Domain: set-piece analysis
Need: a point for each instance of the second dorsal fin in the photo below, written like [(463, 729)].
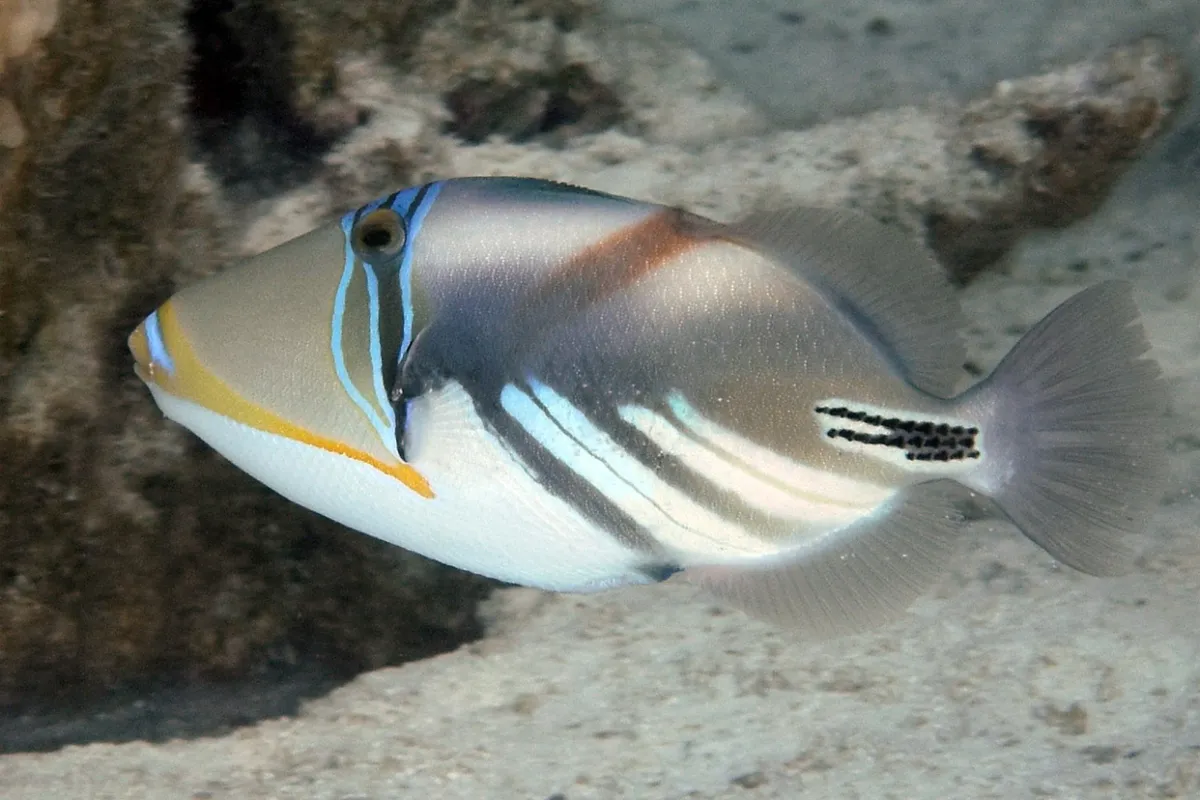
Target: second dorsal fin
[(892, 287)]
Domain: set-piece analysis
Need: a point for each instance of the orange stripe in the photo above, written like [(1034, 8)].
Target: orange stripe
[(617, 261)]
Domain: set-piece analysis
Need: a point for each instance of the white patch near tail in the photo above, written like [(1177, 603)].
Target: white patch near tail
[(762, 478), (919, 442)]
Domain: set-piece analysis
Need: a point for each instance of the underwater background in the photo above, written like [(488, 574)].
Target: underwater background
[(169, 628)]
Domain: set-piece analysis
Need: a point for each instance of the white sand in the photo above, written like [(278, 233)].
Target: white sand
[(808, 60)]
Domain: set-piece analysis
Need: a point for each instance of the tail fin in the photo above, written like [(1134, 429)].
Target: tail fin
[(1075, 445)]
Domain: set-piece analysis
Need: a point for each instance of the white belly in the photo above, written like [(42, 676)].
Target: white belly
[(488, 515)]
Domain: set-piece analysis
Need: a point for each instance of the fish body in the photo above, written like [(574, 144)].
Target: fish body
[(575, 391)]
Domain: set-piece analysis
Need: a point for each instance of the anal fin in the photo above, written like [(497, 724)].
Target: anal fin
[(853, 578)]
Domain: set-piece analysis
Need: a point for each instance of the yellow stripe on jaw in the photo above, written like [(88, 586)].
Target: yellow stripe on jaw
[(190, 380)]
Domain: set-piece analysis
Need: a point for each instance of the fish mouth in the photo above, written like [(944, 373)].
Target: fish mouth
[(152, 359), (141, 356), (143, 363)]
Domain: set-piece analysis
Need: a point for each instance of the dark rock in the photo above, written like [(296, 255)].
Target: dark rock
[(568, 101), (1049, 149), (130, 554)]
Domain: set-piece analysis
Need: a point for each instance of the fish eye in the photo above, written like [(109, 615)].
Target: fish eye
[(378, 235)]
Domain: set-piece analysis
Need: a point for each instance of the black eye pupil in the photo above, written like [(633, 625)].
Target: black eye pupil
[(377, 238)]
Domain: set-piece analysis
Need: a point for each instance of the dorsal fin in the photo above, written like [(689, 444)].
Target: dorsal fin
[(892, 286)]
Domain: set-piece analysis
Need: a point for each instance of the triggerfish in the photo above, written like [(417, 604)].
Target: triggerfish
[(575, 391)]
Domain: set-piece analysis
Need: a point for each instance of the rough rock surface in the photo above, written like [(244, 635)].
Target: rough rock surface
[(131, 554), (127, 552), (970, 179), (267, 94)]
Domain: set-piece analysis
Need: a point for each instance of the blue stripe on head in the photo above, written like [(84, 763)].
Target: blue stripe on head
[(413, 205), (374, 205), (385, 426), (376, 347), (158, 348)]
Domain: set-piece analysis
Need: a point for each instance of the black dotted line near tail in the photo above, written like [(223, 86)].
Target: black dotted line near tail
[(920, 441)]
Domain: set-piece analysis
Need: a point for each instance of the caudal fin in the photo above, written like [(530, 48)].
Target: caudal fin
[(1075, 443)]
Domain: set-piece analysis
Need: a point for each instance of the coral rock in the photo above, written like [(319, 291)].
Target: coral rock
[(128, 552)]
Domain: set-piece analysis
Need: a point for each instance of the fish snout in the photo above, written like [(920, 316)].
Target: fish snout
[(151, 360)]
